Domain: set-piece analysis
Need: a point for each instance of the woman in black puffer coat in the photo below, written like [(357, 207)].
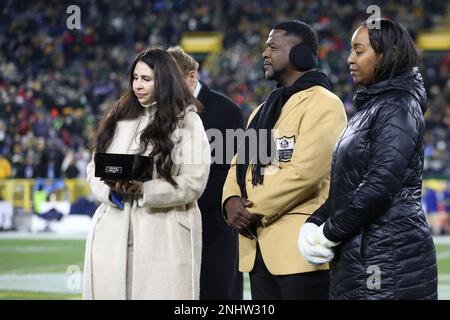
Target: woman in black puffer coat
[(373, 219)]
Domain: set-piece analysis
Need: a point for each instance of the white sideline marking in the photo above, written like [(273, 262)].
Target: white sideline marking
[(441, 239), (43, 236), (443, 255), (444, 277), (29, 249), (38, 282)]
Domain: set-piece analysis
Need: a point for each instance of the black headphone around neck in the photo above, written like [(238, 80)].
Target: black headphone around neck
[(303, 58)]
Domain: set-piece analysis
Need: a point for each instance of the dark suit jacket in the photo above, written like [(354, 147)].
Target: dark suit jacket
[(220, 278)]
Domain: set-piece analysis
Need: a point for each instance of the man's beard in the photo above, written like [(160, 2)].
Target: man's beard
[(275, 76)]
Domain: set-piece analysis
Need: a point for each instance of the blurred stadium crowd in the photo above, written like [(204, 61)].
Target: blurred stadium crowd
[(55, 82)]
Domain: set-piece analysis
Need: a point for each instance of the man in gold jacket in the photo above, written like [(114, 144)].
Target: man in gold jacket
[(268, 201)]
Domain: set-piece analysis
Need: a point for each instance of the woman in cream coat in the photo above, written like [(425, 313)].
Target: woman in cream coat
[(150, 249)]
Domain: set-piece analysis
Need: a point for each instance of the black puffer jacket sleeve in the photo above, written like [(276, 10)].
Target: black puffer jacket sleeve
[(320, 215), (394, 136)]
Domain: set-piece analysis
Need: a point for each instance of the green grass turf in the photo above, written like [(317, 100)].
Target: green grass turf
[(39, 256), (30, 295), (36, 255), (443, 253)]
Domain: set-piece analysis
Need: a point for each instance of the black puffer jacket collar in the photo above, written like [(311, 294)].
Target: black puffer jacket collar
[(411, 82)]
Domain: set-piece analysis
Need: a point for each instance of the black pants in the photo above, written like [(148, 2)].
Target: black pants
[(300, 286), (220, 278)]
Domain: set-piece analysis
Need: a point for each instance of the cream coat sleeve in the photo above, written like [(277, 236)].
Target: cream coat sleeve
[(194, 159), (99, 189)]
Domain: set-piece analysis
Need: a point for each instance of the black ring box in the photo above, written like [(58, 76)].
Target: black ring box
[(127, 167)]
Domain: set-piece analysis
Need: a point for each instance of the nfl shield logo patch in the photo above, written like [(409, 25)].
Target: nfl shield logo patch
[(285, 148)]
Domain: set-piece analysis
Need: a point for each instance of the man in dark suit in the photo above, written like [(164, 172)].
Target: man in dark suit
[(219, 277)]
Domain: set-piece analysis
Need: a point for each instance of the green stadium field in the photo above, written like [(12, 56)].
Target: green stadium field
[(50, 267)]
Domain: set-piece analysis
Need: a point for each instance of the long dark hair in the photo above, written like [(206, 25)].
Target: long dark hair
[(171, 95), (400, 53)]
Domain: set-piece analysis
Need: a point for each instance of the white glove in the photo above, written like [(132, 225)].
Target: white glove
[(323, 240), (309, 246), (307, 235)]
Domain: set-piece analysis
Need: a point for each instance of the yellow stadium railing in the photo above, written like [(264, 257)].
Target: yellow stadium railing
[(19, 192)]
